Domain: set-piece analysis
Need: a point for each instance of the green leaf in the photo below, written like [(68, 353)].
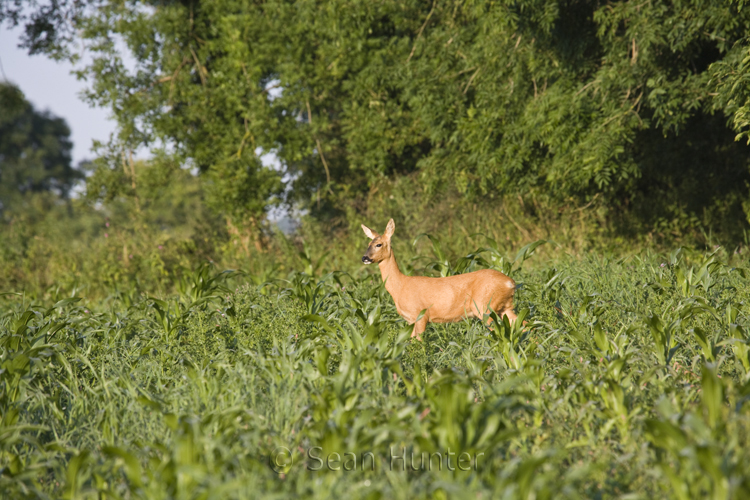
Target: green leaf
[(132, 465), (712, 396)]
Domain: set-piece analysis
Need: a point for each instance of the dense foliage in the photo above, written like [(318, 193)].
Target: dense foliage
[(159, 228), (34, 151), (628, 101), (631, 378)]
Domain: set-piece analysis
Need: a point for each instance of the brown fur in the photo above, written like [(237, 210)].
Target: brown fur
[(444, 300)]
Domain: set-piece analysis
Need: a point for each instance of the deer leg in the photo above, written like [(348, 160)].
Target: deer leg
[(505, 312), (510, 314), (419, 328), (512, 317), (503, 308)]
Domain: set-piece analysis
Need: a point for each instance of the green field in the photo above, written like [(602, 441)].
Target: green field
[(629, 381), (184, 313)]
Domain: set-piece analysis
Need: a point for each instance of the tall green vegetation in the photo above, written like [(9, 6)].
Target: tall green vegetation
[(636, 104), (630, 380)]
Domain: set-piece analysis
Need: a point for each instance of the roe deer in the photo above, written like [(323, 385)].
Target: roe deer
[(444, 300)]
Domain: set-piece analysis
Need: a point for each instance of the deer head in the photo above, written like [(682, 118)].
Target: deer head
[(380, 246)]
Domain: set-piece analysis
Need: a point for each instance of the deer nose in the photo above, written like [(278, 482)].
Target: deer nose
[(366, 259)]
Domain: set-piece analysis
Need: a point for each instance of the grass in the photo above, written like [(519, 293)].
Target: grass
[(629, 381)]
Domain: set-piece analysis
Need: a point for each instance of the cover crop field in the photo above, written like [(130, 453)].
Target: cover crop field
[(629, 380)]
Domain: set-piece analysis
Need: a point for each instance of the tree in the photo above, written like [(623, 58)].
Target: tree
[(566, 98), (34, 150)]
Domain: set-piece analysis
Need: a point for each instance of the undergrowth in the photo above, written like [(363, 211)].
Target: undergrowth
[(629, 380)]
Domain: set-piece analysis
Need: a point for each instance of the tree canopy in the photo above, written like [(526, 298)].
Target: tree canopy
[(562, 97), (34, 150)]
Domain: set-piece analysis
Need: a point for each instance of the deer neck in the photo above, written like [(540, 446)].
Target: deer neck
[(390, 272)]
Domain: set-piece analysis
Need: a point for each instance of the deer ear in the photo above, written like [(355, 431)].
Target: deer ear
[(369, 232), (389, 229)]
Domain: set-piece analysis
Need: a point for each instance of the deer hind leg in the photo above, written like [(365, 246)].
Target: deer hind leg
[(505, 308), (510, 314), (419, 328)]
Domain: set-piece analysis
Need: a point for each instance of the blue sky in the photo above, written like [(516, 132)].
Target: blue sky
[(50, 85)]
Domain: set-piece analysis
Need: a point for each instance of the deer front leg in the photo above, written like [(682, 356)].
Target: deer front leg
[(419, 328)]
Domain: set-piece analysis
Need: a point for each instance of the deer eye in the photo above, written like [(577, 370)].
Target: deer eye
[(379, 245)]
